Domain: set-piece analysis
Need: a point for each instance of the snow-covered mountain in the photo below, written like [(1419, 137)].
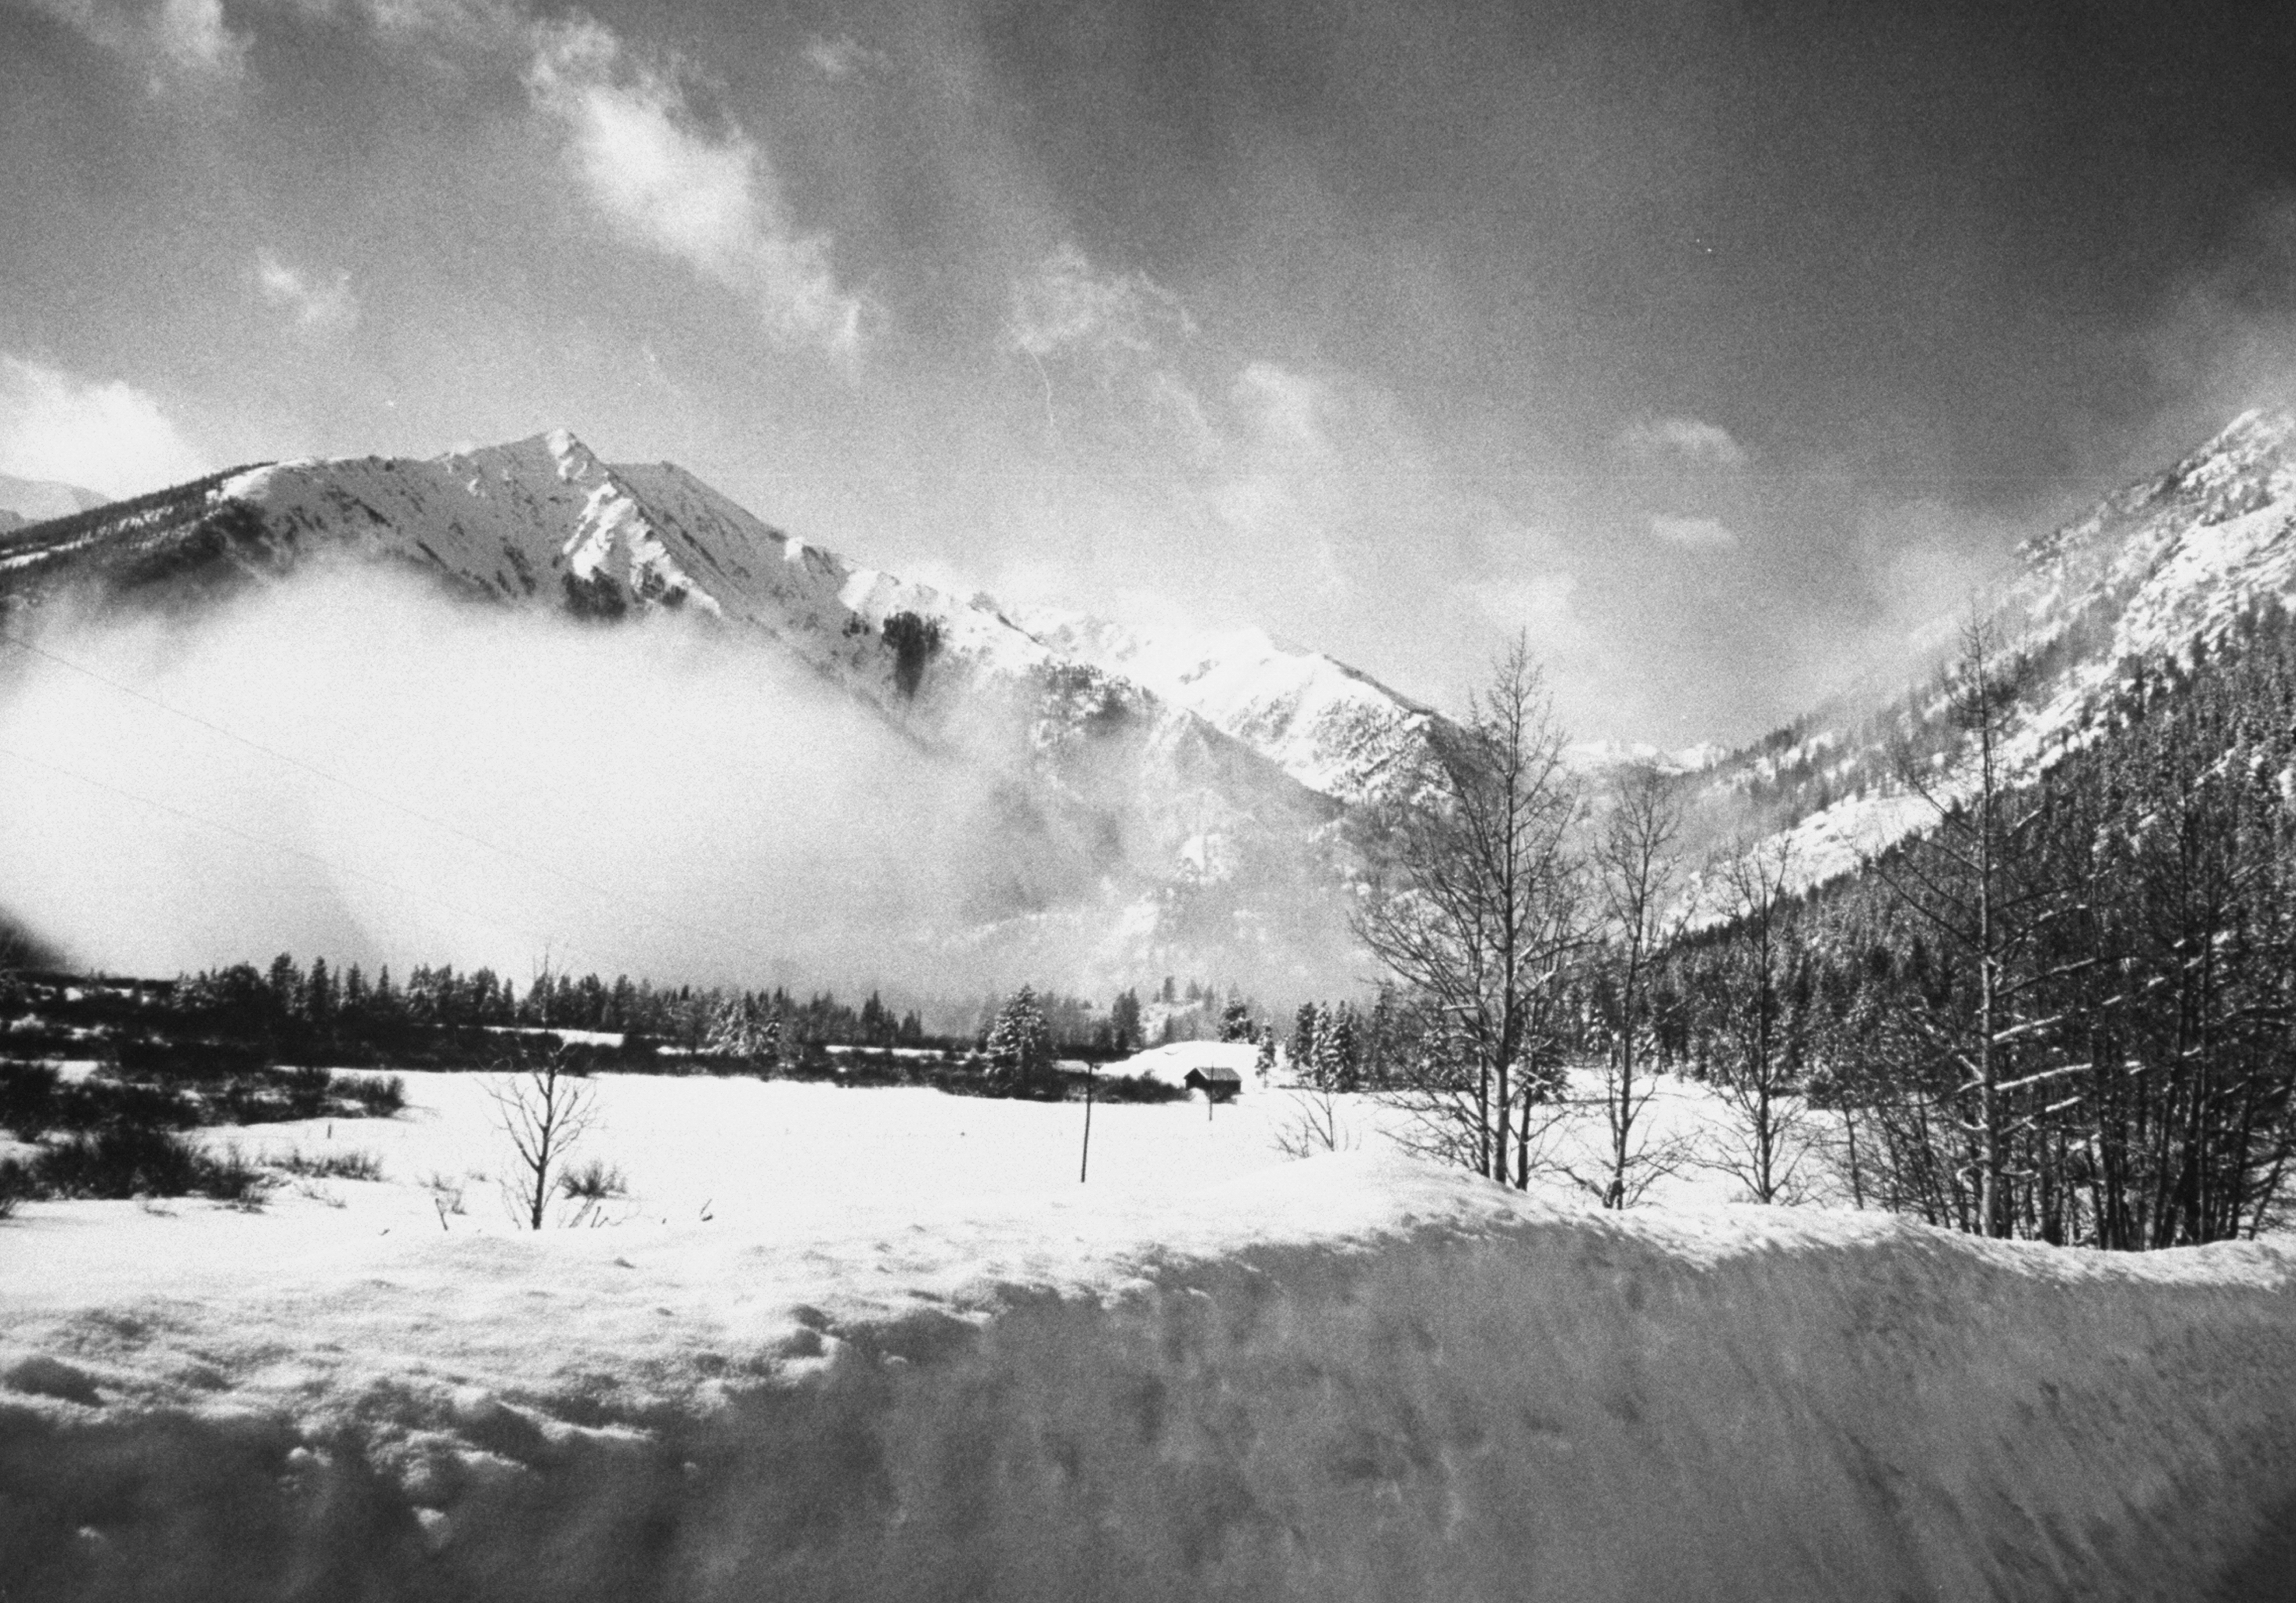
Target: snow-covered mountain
[(1335, 729), (25, 501), (1194, 832), (2164, 566), (540, 522), (1206, 761), (2171, 560), (544, 523)]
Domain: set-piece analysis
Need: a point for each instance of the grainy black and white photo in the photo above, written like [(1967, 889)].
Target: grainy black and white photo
[(1076, 800)]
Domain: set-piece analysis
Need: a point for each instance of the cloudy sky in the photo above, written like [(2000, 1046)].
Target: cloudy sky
[(1711, 344)]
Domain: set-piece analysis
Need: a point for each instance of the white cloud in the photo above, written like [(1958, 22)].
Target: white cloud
[(709, 198), (327, 307), (1288, 411), (1284, 487), (476, 20), (175, 41), (1690, 439), (1063, 307), (111, 438), (1174, 404), (840, 58), (1585, 663), (1540, 606), (1262, 509), (1694, 534), (192, 36)]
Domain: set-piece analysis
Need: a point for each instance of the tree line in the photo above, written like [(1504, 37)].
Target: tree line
[(440, 1018), (330, 1002), (2065, 1009), (327, 1003)]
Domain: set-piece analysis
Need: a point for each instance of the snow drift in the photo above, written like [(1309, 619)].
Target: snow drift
[(1347, 1378)]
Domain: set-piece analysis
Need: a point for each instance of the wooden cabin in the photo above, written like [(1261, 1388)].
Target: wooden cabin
[(1220, 1084)]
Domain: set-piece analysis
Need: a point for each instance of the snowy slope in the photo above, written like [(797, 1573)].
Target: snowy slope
[(1334, 728), (1344, 1378), (533, 520), (2171, 560), (543, 522), (36, 500)]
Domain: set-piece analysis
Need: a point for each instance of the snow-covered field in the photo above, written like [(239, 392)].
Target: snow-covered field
[(1169, 1064), (882, 1344)]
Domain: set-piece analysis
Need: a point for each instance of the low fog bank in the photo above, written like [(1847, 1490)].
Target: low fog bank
[(1347, 1378), (504, 788), (354, 764)]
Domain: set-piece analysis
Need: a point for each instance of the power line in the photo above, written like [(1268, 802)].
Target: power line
[(273, 846), (511, 853)]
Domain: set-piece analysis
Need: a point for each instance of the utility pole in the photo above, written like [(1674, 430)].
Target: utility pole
[(1086, 1165)]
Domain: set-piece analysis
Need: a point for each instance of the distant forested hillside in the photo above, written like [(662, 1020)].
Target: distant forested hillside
[(2068, 1011)]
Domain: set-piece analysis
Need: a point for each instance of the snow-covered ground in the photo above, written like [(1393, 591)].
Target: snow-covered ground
[(1169, 1064), (783, 1156), (882, 1343)]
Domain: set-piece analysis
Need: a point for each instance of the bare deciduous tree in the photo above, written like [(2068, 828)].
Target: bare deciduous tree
[(1635, 869), (1474, 909), (1771, 1136), (1972, 882), (545, 1109)]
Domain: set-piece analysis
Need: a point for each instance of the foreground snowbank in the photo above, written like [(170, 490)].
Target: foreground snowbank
[(1350, 1377)]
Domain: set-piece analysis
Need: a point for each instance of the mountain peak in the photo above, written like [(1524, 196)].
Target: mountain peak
[(2245, 453), (575, 460), (554, 454), (2260, 428)]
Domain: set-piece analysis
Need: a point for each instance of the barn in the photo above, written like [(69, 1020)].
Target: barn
[(1218, 1081), (1169, 1064)]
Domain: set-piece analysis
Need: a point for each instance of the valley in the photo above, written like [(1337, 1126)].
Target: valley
[(977, 800), (780, 1231)]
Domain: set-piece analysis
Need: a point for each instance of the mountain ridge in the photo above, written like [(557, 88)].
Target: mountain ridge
[(505, 522), (1137, 798), (2172, 559), (1224, 733), (1336, 729)]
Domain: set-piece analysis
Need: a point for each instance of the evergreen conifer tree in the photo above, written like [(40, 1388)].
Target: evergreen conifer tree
[(1235, 1022), (286, 983), (1304, 1024), (1336, 1051), (1019, 1047), (1124, 1021), (318, 1001)]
